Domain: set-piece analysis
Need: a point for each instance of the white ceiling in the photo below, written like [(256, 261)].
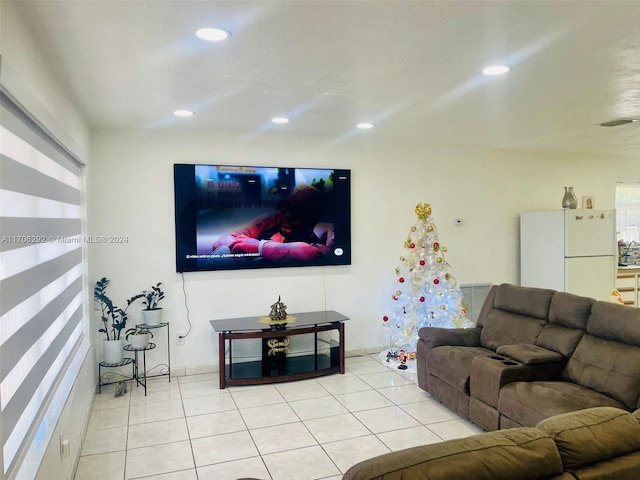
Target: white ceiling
[(411, 67)]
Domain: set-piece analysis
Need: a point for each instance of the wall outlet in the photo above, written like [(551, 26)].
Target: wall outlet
[(179, 340), (65, 445), (66, 448)]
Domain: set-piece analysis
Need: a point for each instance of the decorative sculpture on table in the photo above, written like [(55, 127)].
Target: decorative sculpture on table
[(278, 311)]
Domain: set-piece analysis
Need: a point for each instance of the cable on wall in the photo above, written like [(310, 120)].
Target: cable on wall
[(186, 306), (324, 289)]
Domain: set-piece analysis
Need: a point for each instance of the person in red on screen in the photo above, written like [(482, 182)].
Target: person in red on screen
[(286, 234)]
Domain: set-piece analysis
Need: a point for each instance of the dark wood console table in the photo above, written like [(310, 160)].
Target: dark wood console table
[(276, 364)]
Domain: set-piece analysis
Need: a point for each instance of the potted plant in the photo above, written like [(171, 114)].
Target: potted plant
[(113, 319), (152, 313), (139, 337)]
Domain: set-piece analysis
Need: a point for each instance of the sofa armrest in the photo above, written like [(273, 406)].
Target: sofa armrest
[(462, 337), (530, 354), (489, 374)]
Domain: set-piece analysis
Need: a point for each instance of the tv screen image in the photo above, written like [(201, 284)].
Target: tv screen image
[(236, 217)]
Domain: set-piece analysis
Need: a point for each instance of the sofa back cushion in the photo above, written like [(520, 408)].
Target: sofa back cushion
[(608, 367), (528, 301), (593, 435), (505, 328), (506, 454), (568, 315), (517, 316), (615, 322), (487, 306)]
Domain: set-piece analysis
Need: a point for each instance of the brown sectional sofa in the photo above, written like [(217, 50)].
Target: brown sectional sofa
[(533, 354), (598, 443)]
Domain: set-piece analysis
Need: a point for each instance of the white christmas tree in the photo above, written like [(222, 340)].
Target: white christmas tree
[(425, 292)]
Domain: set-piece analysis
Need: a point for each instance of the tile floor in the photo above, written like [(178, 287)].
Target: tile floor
[(189, 429)]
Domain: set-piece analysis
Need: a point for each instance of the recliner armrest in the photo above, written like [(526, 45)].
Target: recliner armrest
[(461, 337)]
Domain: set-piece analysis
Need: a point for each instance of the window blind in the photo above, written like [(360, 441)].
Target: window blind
[(43, 338)]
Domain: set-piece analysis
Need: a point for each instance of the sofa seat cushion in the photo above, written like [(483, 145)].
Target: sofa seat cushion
[(593, 435), (522, 454), (452, 365), (528, 403)]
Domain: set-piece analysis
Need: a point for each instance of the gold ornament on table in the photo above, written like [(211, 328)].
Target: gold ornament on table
[(278, 318), (278, 310), (430, 228)]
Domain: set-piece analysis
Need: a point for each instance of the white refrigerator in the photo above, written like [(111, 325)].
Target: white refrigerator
[(568, 250)]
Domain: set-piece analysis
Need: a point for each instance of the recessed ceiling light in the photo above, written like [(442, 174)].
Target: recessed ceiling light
[(212, 34), (280, 120), (496, 70), (365, 125), (183, 113)]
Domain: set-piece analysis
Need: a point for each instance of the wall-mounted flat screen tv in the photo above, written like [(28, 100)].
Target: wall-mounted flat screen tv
[(235, 217)]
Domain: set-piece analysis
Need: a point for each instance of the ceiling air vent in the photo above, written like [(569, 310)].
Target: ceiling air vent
[(617, 122)]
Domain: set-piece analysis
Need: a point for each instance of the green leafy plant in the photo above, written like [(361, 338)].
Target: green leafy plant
[(137, 331), (153, 297), (113, 318)]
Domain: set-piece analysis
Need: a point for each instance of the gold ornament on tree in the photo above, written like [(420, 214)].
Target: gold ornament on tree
[(423, 210)]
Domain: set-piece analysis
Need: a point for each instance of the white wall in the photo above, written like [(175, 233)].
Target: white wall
[(131, 193), (27, 78)]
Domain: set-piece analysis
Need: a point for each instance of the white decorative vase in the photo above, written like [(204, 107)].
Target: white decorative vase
[(139, 342), (113, 351), (152, 317)]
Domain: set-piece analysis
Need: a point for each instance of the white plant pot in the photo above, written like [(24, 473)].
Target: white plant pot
[(113, 352), (139, 342), (152, 317)]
